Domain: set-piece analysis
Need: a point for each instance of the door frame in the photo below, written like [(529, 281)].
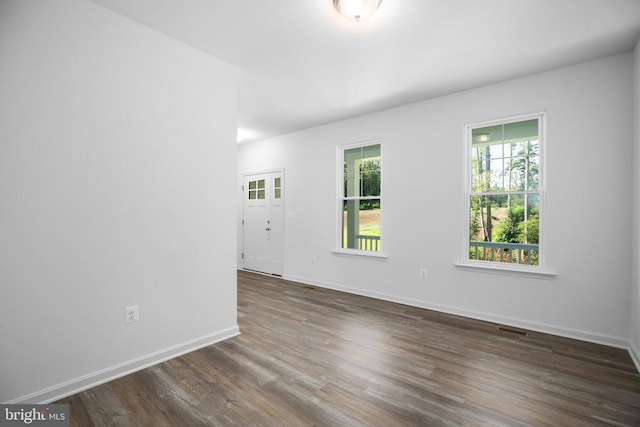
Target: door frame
[(283, 190)]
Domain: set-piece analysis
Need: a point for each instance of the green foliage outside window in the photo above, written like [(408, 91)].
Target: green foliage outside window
[(504, 204)]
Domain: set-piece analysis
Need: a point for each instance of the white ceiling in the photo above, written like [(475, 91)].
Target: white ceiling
[(302, 64)]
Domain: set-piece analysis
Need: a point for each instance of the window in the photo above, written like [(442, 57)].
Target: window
[(504, 192), (359, 196)]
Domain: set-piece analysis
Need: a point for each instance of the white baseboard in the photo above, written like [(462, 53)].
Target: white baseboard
[(76, 385), (635, 354), (593, 337)]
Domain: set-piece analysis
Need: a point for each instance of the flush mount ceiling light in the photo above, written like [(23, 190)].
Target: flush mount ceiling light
[(356, 10)]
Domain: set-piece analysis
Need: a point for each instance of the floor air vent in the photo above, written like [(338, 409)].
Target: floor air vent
[(513, 331)]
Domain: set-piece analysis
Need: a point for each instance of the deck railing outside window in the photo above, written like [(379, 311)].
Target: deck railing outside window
[(515, 253), (368, 243)]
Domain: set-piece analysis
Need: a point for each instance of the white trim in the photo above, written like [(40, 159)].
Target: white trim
[(578, 334), (359, 253), (503, 268), (276, 170), (635, 354), (512, 268), (93, 379)]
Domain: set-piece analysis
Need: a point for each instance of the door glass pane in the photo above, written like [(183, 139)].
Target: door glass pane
[(277, 188), (252, 185), (261, 183), (261, 194), (252, 194)]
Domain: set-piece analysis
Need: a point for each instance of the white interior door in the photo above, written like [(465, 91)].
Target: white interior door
[(263, 221)]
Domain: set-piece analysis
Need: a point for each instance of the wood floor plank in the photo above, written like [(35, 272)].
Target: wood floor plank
[(311, 356)]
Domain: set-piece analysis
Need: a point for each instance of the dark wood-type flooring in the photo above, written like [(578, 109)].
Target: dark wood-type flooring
[(319, 357)]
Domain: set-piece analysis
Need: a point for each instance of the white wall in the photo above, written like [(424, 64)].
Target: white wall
[(635, 296), (587, 211), (117, 150)]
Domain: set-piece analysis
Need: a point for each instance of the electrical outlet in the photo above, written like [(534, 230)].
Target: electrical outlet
[(131, 314), (423, 273)]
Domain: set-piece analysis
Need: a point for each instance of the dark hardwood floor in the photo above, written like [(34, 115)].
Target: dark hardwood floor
[(319, 357)]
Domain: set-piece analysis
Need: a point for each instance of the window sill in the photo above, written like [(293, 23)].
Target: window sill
[(522, 271), (359, 254)]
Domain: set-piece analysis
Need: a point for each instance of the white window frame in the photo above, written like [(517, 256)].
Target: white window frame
[(339, 250), (494, 265)]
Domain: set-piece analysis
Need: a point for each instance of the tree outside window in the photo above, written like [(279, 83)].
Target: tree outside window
[(504, 197)]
